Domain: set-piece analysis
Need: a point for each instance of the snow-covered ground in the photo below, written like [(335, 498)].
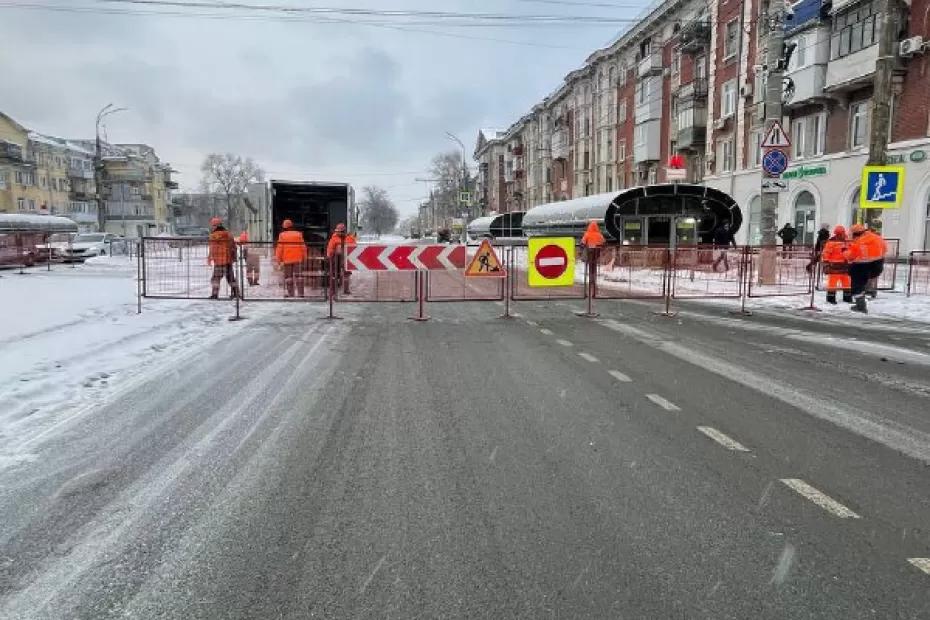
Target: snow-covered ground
[(70, 337)]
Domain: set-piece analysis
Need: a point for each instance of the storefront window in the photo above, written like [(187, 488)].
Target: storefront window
[(871, 217), (755, 221), (805, 217)]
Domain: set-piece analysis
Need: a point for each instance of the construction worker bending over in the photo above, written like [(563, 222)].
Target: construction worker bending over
[(866, 257), (222, 255), (835, 266), (291, 253)]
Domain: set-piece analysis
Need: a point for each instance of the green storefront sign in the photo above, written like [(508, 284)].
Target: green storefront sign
[(802, 172), (914, 156)]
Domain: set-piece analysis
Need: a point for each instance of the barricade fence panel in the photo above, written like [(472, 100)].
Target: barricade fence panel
[(707, 272), (632, 272), (32, 248), (179, 268), (918, 273), (283, 271), (888, 279), (776, 271), (453, 285), (520, 289)]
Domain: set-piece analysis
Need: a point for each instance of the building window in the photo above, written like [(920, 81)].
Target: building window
[(642, 92), (21, 204), (797, 144), (43, 182), (652, 176), (725, 153), (685, 118), (731, 41), (700, 67), (728, 99), (25, 177), (859, 124), (640, 137), (621, 112), (818, 139), (801, 53), (755, 149), (853, 30), (676, 61), (621, 150), (805, 217)]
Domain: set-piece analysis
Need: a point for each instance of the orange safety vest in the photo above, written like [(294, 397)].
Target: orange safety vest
[(222, 248), (866, 248), (291, 247), (593, 238), (335, 244)]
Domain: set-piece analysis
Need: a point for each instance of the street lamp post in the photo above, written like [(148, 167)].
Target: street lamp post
[(106, 111), (462, 187)]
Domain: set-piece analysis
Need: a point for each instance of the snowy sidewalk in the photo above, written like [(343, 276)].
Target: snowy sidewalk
[(71, 338)]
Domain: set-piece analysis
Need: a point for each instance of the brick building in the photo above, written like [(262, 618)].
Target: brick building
[(687, 79)]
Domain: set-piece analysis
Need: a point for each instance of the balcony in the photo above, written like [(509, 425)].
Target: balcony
[(650, 65), (694, 37), (80, 194), (648, 111), (694, 90), (809, 83), (647, 142), (851, 72), (80, 173), (11, 152), (691, 137)]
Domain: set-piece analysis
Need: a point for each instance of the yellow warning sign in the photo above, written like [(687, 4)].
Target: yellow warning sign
[(485, 264), (551, 261)]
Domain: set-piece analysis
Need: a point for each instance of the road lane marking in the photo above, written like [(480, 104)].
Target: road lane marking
[(906, 439), (372, 575), (724, 440), (921, 563), (619, 376), (824, 501), (532, 323), (662, 402), (546, 332), (589, 357), (564, 343)]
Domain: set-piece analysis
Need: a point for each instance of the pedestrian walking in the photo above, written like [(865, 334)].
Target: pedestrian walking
[(291, 254), (723, 240), (222, 255), (252, 260), (866, 257), (835, 266), (823, 235), (788, 234)]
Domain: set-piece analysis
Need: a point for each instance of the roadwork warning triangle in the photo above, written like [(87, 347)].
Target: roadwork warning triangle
[(485, 264), (776, 138)]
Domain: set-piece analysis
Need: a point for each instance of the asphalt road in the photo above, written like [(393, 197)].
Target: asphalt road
[(548, 466)]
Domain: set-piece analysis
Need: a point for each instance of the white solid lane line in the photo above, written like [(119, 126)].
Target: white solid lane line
[(619, 376), (532, 323), (564, 343), (589, 357), (921, 563), (662, 402), (724, 440), (546, 332), (824, 501)]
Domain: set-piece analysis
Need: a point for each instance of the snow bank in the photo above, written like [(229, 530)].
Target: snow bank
[(70, 337)]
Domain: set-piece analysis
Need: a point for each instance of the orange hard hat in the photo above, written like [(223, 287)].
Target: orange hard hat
[(857, 229), (839, 231), (287, 224), (215, 222), (340, 227)]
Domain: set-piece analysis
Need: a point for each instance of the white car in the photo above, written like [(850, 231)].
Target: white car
[(56, 244), (87, 245)]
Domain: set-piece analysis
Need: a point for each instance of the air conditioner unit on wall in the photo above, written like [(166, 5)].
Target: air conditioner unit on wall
[(909, 47)]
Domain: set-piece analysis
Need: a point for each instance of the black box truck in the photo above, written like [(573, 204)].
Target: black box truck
[(315, 207)]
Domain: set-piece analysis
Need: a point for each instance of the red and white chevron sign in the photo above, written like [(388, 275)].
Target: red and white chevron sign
[(405, 257)]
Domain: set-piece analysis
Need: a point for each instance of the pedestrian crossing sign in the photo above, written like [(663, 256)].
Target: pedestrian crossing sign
[(485, 264), (882, 187)]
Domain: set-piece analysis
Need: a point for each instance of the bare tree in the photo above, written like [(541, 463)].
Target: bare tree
[(229, 175), (448, 173), (379, 215)]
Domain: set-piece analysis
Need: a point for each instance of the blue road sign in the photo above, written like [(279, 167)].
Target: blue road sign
[(774, 162), (882, 187)]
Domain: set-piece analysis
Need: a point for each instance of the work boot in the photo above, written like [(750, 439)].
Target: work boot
[(860, 306), (215, 294), (831, 298), (847, 298)]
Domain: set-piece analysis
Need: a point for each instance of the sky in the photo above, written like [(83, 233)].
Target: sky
[(307, 99)]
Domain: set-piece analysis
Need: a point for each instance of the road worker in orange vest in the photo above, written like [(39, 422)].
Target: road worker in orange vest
[(334, 250), (593, 238), (835, 266), (222, 255), (866, 257), (291, 253)]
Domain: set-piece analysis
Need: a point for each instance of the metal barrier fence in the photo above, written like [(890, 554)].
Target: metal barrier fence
[(918, 273), (776, 271), (632, 272), (453, 285), (283, 271)]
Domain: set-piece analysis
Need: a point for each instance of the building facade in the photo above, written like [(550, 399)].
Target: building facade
[(689, 79)]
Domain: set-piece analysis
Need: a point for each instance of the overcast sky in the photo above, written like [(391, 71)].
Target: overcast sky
[(307, 100)]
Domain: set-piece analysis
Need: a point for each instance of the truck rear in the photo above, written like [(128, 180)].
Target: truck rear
[(315, 207)]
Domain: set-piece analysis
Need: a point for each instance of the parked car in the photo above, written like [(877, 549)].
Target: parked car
[(87, 245), (55, 247)]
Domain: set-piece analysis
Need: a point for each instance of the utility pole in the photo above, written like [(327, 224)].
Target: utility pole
[(774, 21), (107, 110), (462, 187), (888, 16)]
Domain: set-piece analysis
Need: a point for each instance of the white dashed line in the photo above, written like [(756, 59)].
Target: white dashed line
[(724, 440), (921, 563), (589, 357), (665, 404), (564, 343), (532, 323), (824, 501), (546, 332), (619, 376)]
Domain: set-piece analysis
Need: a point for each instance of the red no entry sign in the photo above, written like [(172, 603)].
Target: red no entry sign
[(551, 261)]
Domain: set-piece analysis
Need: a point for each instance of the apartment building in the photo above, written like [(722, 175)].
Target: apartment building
[(688, 79)]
